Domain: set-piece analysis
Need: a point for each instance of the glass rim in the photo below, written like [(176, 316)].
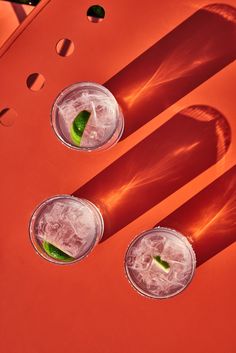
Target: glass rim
[(157, 229), (97, 148), (40, 207)]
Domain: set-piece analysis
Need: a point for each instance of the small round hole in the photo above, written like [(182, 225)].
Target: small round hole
[(8, 117), (96, 13), (65, 47), (35, 82)]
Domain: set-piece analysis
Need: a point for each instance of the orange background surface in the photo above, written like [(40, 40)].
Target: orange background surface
[(90, 307)]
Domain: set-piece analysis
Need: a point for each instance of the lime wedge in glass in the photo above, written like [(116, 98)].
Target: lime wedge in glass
[(56, 253), (161, 263), (78, 126)]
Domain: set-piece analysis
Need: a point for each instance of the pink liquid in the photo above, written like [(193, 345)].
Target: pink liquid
[(72, 225), (160, 263), (105, 124)]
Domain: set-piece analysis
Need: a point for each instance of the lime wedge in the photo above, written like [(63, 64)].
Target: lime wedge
[(78, 126), (162, 264), (56, 253)]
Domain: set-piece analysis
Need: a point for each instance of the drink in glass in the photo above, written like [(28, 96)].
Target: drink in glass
[(64, 229), (87, 117), (160, 263)]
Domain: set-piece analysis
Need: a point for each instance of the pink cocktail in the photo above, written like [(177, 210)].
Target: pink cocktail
[(160, 263), (86, 116), (64, 229)]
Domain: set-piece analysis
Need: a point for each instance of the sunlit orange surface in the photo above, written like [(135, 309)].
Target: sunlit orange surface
[(171, 65)]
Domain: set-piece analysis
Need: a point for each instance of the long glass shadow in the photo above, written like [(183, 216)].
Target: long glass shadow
[(186, 57), (185, 146), (209, 218)]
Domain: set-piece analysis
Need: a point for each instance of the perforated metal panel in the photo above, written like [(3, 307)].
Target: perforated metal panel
[(90, 307)]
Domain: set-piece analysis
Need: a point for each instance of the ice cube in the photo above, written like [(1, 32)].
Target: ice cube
[(142, 262), (68, 226), (130, 260), (153, 285)]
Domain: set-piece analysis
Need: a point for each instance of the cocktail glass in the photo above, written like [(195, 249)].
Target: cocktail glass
[(87, 117), (64, 229), (160, 263)]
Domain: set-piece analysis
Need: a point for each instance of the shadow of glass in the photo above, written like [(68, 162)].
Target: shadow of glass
[(182, 60), (185, 146), (209, 218)]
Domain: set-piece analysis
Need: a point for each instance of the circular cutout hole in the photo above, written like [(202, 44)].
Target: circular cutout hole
[(8, 117), (96, 13), (65, 47), (35, 82)]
